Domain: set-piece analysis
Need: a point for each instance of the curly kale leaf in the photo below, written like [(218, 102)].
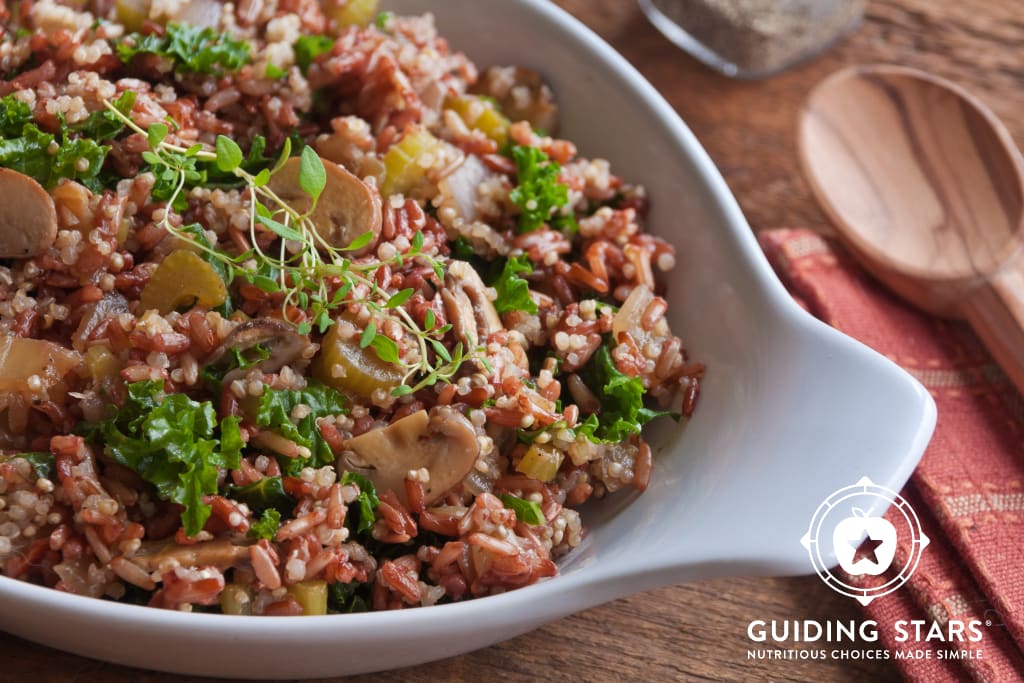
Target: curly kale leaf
[(274, 413), (622, 401), (191, 48), (174, 443), (539, 192)]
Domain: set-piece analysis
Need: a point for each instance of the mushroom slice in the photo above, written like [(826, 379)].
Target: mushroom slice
[(112, 304), (28, 217), (470, 311), (443, 442), (346, 209), (279, 338), (522, 94), (221, 553)]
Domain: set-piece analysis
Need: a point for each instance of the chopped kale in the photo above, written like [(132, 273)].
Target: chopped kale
[(193, 49), (266, 526), (366, 503), (514, 291), (262, 495), (275, 410), (539, 191), (308, 48), (622, 401), (174, 443)]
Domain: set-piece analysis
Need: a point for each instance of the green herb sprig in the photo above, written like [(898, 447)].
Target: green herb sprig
[(305, 265)]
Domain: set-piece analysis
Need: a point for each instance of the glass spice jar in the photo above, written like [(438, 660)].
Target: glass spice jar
[(753, 38)]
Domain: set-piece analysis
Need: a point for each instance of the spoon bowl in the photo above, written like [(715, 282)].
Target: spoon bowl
[(924, 184)]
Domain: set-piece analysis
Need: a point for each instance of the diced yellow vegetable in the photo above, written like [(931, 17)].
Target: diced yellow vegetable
[(182, 279), (405, 162), (481, 114), (235, 599), (312, 595), (541, 462), (355, 13), (352, 370), (31, 366), (132, 13), (102, 363)]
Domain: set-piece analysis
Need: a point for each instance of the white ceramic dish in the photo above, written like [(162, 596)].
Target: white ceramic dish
[(790, 411)]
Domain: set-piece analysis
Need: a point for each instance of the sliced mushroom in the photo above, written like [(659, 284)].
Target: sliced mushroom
[(282, 341), (28, 218), (522, 94), (221, 553), (443, 442), (469, 309), (346, 209), (111, 305)]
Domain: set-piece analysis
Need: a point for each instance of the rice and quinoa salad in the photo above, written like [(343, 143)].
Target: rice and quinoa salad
[(302, 313)]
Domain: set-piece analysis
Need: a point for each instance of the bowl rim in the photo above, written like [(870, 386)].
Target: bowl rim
[(774, 293)]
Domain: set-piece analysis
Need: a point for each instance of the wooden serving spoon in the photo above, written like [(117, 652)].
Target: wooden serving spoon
[(925, 186)]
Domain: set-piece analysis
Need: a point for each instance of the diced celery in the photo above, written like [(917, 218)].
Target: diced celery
[(312, 595), (235, 599), (541, 462)]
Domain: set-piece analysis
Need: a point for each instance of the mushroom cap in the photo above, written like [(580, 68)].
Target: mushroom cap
[(346, 209), (444, 442), (28, 217), (285, 345)]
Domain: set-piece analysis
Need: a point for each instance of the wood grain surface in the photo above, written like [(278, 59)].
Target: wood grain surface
[(924, 185), (698, 632)]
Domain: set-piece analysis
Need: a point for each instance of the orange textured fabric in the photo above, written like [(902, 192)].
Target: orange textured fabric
[(969, 487)]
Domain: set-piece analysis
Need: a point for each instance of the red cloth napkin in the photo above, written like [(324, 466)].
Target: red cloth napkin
[(968, 489)]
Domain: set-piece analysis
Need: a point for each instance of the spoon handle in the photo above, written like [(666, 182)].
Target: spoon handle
[(996, 312)]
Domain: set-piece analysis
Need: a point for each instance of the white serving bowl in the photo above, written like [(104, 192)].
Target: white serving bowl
[(790, 411)]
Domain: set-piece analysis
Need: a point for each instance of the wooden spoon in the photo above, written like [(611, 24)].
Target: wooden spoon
[(924, 185)]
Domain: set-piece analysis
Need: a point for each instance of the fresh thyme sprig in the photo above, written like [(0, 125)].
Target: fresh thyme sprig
[(306, 263)]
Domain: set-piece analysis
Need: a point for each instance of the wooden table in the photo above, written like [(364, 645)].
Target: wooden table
[(699, 631)]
